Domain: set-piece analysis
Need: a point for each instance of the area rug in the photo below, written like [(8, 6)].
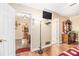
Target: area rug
[(71, 52), (22, 50)]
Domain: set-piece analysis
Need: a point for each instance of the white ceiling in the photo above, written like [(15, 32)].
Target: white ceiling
[(62, 8)]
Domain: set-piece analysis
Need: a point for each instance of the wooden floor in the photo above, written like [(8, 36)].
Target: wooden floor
[(53, 50)]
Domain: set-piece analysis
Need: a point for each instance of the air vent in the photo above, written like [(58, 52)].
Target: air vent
[(48, 42)]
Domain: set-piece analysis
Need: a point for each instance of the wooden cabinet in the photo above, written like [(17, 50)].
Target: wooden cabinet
[(67, 28), (65, 38), (69, 38)]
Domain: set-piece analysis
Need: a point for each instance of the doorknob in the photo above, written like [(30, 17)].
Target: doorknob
[(1, 40)]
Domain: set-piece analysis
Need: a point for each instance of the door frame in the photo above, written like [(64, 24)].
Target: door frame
[(29, 15)]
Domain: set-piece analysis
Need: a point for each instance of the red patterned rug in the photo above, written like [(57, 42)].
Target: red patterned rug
[(71, 52), (22, 50)]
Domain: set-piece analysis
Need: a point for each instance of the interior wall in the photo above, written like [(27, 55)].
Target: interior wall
[(75, 23), (36, 13), (19, 28), (35, 26)]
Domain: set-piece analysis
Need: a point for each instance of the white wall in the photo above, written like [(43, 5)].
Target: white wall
[(75, 24), (46, 33), (7, 31)]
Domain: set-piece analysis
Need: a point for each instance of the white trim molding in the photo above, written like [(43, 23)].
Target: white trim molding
[(42, 47)]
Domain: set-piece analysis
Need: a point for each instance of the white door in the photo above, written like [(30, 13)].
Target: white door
[(45, 32), (7, 30), (55, 31)]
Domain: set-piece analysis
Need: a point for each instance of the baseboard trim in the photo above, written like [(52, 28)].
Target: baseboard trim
[(42, 47), (57, 43)]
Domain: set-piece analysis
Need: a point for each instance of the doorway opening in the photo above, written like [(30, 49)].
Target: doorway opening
[(23, 40)]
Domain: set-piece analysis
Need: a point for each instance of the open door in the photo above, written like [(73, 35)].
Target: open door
[(7, 30), (22, 34)]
